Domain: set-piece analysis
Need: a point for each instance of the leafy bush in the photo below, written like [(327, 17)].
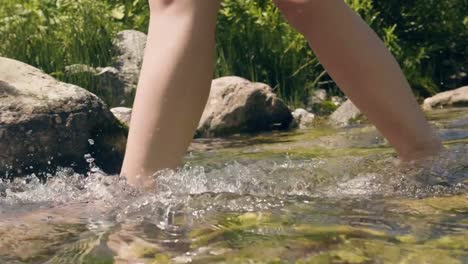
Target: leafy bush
[(428, 37), (431, 40), (130, 14), (254, 41), (52, 34)]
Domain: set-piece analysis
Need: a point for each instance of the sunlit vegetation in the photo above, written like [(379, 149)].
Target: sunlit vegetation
[(428, 37)]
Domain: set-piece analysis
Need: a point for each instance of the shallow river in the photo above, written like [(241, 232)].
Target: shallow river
[(317, 196)]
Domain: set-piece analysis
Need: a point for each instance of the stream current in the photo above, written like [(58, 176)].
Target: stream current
[(315, 196)]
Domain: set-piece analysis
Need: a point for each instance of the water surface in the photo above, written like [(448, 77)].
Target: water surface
[(317, 196)]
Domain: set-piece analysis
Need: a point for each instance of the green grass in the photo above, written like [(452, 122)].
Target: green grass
[(429, 38)]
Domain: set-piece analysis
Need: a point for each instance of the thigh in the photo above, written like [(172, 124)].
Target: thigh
[(302, 13), (184, 5)]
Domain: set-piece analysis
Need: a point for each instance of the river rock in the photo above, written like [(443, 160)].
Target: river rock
[(236, 105), (130, 45), (318, 96), (302, 118), (45, 123), (115, 84), (345, 114), (453, 98), (337, 100), (123, 114), (113, 88), (106, 82), (77, 69)]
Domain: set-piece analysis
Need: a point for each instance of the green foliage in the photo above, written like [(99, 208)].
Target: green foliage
[(130, 14), (255, 42), (432, 40), (324, 109), (428, 37), (52, 34)]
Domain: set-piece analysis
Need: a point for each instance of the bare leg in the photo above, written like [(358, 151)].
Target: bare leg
[(173, 87), (366, 71)]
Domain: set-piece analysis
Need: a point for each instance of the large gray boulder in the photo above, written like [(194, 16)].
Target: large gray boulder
[(117, 83), (236, 105), (130, 45), (106, 82), (453, 98), (344, 115), (45, 123)]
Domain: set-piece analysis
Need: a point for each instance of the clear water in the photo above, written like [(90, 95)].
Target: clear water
[(318, 196)]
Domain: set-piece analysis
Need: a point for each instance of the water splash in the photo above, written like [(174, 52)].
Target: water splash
[(101, 215), (243, 187)]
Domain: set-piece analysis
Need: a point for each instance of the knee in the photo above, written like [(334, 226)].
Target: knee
[(299, 13), (288, 7), (160, 4)]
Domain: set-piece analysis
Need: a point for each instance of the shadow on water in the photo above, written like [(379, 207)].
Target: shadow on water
[(311, 197)]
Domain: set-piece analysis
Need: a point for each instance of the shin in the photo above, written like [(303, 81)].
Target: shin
[(173, 86), (366, 71)]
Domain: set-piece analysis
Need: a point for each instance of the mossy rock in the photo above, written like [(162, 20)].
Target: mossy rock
[(161, 259), (430, 256), (332, 232), (452, 242), (337, 256), (437, 205)]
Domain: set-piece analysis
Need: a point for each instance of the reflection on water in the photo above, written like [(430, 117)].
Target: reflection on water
[(315, 197)]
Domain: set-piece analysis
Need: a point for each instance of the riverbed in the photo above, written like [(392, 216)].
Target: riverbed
[(320, 195)]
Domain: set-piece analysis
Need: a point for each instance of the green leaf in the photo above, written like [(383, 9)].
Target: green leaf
[(118, 12)]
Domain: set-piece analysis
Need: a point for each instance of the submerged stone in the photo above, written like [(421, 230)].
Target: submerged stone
[(455, 242), (430, 256), (436, 205)]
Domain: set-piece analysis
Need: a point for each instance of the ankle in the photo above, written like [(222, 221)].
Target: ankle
[(420, 150)]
